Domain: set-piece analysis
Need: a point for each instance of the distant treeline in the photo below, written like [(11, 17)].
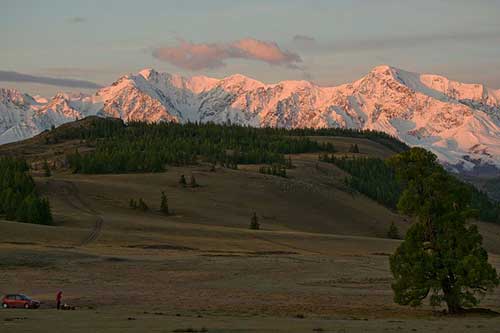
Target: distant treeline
[(376, 179), (145, 147), (492, 186), (19, 199), (108, 127), (370, 176), (380, 137)]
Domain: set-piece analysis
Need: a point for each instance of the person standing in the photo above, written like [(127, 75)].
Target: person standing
[(58, 299)]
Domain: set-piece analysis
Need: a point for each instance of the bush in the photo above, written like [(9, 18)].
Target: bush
[(274, 170), (141, 205), (138, 204), (132, 204), (192, 182)]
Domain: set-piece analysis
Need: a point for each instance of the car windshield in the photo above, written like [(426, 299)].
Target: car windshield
[(24, 297)]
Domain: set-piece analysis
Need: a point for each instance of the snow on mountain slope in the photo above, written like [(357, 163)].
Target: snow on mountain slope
[(16, 115), (459, 122)]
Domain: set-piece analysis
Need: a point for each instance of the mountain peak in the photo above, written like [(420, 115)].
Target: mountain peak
[(448, 117), (384, 70), (14, 96), (238, 78), (389, 76), (148, 73), (296, 83), (242, 81), (60, 96), (9, 92)]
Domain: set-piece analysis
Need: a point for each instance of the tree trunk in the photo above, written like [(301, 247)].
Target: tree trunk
[(453, 307), (451, 298)]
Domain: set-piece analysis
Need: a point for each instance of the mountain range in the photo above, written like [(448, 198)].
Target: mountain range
[(459, 122)]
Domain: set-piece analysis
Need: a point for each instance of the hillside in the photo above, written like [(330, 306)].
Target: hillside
[(104, 145), (459, 122), (321, 253)]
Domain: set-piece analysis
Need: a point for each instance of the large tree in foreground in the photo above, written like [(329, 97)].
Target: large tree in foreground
[(442, 256)]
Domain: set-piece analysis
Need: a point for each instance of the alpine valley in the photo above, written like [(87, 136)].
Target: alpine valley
[(459, 122)]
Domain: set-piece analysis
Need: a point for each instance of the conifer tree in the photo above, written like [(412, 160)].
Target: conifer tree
[(393, 231), (164, 204), (354, 149), (19, 200), (442, 255), (254, 222), (182, 180)]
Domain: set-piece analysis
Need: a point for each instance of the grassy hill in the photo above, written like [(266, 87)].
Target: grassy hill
[(314, 197), (319, 260)]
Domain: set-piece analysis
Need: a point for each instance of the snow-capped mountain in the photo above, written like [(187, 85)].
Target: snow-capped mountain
[(457, 121)]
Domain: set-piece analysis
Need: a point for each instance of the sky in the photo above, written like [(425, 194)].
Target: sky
[(68, 45)]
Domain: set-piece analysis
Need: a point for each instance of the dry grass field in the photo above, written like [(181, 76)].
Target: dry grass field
[(319, 264)]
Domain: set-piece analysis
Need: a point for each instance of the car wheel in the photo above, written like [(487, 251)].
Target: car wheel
[(5, 306), (26, 306)]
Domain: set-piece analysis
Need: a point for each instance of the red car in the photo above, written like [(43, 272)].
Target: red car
[(19, 301)]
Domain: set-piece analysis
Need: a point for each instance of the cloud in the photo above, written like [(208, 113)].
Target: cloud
[(193, 56), (76, 19), (76, 71), (11, 76), (410, 41), (300, 38), (303, 40)]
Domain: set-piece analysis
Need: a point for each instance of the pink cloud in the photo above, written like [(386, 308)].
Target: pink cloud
[(193, 56)]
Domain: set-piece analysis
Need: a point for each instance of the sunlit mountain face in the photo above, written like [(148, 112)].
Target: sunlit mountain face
[(459, 122)]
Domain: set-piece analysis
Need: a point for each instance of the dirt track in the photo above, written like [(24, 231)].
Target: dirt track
[(71, 195)]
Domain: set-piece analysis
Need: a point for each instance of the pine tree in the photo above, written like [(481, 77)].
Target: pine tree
[(182, 180), (19, 200), (354, 149), (393, 231), (441, 256), (254, 222), (46, 213), (164, 204)]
